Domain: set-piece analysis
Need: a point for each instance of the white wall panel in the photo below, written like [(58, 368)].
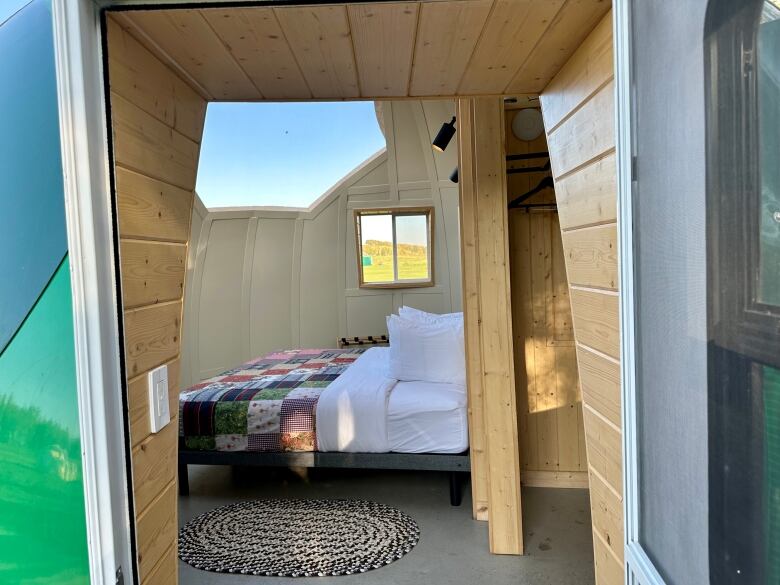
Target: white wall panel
[(319, 289), (219, 321), (270, 307)]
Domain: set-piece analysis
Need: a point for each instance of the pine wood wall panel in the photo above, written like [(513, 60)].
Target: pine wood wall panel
[(446, 36), (584, 73), (139, 77), (152, 272), (147, 146), (152, 336), (157, 121), (575, 20), (383, 37), (258, 44), (596, 322), (591, 256), (156, 531), (487, 219), (600, 380), (508, 37), (149, 209), (320, 38), (438, 48), (578, 108), (587, 134), (588, 197), (188, 40)]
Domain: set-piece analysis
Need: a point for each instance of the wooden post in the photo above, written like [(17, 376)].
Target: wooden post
[(470, 276), (487, 307)]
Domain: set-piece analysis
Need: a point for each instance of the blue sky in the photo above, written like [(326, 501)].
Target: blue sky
[(285, 154), (8, 7)]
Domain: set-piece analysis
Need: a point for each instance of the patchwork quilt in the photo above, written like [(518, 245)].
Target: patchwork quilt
[(266, 404)]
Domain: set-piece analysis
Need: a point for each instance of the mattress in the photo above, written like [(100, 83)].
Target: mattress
[(427, 418)]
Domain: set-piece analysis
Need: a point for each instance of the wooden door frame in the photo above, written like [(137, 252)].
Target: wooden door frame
[(101, 389)]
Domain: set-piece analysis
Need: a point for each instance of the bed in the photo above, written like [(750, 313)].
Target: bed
[(324, 408)]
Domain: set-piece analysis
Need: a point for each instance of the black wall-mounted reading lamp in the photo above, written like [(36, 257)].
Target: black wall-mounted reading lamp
[(444, 136), (454, 175)]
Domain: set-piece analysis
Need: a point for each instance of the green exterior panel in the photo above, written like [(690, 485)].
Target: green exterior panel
[(43, 536)]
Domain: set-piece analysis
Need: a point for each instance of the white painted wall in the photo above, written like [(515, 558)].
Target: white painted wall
[(260, 279)]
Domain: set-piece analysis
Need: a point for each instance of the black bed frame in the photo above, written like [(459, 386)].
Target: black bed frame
[(458, 465)]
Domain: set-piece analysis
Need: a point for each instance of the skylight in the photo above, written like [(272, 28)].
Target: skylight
[(282, 154)]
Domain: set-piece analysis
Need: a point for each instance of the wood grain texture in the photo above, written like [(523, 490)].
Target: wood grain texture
[(509, 35), (586, 135), (166, 571), (446, 36), (152, 336), (600, 379), (588, 197), (545, 362), (157, 122), (256, 41), (383, 39), (609, 570), (185, 38), (586, 71), (152, 209), (606, 514), (154, 463), (453, 47), (138, 76), (596, 320), (471, 312), (555, 479), (152, 272), (605, 448), (320, 39), (591, 256), (156, 530), (138, 401), (144, 144), (573, 23), (578, 109), (505, 516)]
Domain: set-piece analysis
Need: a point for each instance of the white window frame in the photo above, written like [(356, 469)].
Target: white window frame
[(640, 570)]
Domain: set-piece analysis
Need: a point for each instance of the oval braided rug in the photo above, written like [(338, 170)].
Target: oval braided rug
[(297, 538)]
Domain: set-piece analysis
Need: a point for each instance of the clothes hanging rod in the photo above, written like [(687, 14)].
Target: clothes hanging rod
[(540, 206), (527, 156)]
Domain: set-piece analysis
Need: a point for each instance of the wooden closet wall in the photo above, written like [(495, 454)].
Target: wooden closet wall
[(157, 122), (579, 110), (549, 403)]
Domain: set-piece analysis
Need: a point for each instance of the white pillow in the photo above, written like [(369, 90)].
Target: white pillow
[(429, 352), (417, 315)]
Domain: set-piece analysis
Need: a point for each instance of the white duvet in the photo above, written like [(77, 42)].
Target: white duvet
[(352, 410)]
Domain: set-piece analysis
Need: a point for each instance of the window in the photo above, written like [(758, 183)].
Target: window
[(394, 247)]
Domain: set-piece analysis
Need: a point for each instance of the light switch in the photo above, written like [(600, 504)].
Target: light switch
[(159, 411)]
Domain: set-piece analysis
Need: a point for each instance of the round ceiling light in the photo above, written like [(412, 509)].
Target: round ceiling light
[(528, 124)]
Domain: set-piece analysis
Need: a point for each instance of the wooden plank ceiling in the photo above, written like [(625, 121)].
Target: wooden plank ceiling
[(424, 48)]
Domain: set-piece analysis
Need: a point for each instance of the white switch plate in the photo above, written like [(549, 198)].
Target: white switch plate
[(159, 411)]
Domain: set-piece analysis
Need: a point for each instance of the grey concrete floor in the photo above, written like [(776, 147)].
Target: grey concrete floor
[(453, 548)]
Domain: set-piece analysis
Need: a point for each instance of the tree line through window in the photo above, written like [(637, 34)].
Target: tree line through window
[(394, 247)]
